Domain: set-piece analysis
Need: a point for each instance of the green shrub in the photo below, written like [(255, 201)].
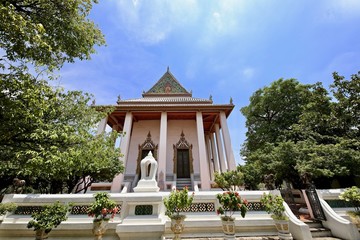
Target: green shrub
[(103, 208), (274, 205), (50, 217), (7, 207), (177, 202), (352, 195), (230, 202)]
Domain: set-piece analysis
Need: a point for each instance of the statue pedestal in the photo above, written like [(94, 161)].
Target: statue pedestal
[(146, 186), (147, 182)]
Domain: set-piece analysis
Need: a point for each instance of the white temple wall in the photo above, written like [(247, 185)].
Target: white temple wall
[(175, 127), (139, 133)]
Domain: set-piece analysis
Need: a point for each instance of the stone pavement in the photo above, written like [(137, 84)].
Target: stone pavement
[(257, 238), (237, 238)]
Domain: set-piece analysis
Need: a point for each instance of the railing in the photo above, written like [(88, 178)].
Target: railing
[(149, 207)]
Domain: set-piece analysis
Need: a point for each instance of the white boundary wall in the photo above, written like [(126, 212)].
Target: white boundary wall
[(128, 225)]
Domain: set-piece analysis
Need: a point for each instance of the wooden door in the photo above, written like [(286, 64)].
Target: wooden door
[(183, 163)]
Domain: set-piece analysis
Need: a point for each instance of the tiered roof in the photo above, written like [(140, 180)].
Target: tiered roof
[(166, 91), (168, 95)]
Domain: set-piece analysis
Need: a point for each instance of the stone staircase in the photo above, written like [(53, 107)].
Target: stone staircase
[(318, 231), (183, 182)]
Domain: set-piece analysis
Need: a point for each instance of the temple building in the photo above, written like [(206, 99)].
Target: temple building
[(188, 137)]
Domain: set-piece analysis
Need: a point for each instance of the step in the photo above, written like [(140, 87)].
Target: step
[(320, 232), (327, 238), (317, 230), (183, 182), (313, 224)]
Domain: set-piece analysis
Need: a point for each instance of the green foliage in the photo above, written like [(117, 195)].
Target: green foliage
[(177, 202), (103, 208), (48, 138), (7, 207), (47, 135), (229, 180), (272, 110), (306, 133), (50, 217), (231, 202), (252, 175), (48, 32), (274, 205), (352, 195)]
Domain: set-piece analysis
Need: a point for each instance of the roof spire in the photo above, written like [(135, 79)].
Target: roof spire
[(168, 69)]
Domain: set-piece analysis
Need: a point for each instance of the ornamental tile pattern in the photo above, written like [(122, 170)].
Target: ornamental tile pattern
[(167, 85)]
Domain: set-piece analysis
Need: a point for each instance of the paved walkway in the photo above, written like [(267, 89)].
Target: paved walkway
[(238, 238)]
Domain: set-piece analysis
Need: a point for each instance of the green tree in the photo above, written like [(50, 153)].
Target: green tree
[(318, 139), (228, 181), (48, 136), (252, 175), (273, 110), (347, 107), (47, 32)]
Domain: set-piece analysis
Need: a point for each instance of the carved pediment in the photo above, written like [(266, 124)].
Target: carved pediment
[(148, 144), (182, 143)]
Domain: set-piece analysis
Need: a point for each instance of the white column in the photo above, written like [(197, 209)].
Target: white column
[(220, 148), (204, 166), (162, 151), (209, 157), (227, 142), (102, 126), (124, 147), (214, 153)]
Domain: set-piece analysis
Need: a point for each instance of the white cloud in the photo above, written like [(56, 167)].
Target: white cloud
[(223, 18), (248, 72), (151, 22)]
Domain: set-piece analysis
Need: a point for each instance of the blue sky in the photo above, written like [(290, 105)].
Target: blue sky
[(227, 48)]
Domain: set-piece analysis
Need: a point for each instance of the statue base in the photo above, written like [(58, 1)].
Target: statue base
[(146, 186)]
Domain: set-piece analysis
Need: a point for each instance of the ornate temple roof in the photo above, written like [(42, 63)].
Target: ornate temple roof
[(167, 90), (167, 85), (168, 95)]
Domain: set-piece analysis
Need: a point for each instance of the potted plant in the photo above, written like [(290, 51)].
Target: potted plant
[(50, 217), (102, 210), (230, 202), (274, 205), (353, 195), (5, 208), (174, 204)]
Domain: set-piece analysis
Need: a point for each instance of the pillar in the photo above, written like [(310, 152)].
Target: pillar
[(204, 166), (124, 147), (220, 148), (102, 126), (227, 142), (209, 157), (214, 153), (162, 151)]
